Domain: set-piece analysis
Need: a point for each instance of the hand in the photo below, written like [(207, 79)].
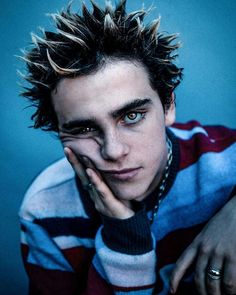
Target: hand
[(104, 200), (215, 248)]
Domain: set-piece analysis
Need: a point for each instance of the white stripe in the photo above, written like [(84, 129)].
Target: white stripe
[(66, 242), (53, 175), (123, 269), (187, 134), (58, 201)]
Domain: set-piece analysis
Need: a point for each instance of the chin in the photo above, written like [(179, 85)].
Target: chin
[(134, 192)]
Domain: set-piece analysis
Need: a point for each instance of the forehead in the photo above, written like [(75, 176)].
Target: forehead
[(99, 93)]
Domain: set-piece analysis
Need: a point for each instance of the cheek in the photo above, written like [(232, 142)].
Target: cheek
[(154, 150), (153, 140)]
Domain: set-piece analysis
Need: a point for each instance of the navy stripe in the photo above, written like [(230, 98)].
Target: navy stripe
[(22, 227), (67, 226)]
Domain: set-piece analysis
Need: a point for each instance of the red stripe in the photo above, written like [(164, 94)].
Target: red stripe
[(220, 132), (55, 282), (191, 150), (50, 282), (97, 285), (136, 288), (78, 256)]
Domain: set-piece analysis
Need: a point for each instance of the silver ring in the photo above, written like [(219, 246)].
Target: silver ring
[(214, 274), (89, 186)]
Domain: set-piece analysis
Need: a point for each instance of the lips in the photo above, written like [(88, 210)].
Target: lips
[(124, 174)]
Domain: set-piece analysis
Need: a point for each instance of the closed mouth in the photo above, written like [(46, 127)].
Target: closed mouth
[(124, 174)]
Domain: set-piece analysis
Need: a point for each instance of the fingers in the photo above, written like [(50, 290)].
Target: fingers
[(200, 255), (182, 264), (85, 179), (200, 272), (212, 283), (77, 166), (101, 191), (103, 198), (105, 201), (228, 280)]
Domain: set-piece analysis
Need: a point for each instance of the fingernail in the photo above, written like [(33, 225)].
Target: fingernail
[(172, 291), (88, 171), (66, 152)]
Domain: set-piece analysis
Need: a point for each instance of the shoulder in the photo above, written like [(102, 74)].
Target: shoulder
[(198, 143), (52, 193), (54, 175), (207, 159), (193, 129)]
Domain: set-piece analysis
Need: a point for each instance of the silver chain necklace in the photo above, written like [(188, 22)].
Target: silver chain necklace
[(162, 184)]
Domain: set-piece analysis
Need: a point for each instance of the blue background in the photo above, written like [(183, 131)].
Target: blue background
[(207, 31)]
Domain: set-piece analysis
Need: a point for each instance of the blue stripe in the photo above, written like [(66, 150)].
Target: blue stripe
[(43, 251), (193, 200)]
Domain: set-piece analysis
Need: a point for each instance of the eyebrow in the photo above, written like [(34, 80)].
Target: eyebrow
[(137, 103)]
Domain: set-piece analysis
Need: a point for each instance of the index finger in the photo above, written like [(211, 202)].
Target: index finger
[(182, 264), (77, 166)]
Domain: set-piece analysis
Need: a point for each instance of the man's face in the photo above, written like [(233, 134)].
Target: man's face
[(116, 119)]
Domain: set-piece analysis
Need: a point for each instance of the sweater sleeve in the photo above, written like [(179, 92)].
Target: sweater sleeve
[(125, 254), (55, 271), (116, 268)]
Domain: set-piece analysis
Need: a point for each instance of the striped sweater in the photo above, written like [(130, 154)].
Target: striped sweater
[(68, 248)]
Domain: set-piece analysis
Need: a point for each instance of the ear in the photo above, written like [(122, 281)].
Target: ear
[(170, 112)]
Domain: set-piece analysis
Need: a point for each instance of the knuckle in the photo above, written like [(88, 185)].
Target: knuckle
[(101, 194), (211, 287), (198, 281), (205, 249), (218, 252), (98, 206), (229, 287), (178, 265)]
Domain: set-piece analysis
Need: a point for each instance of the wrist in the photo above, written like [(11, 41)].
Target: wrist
[(131, 236)]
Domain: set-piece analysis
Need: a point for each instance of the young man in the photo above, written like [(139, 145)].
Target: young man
[(138, 190)]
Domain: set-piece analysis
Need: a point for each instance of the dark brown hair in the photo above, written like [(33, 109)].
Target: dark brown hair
[(81, 44)]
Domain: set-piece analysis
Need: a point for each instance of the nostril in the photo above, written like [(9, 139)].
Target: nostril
[(114, 150)]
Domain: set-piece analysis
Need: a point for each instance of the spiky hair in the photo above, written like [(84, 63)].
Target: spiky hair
[(84, 41)]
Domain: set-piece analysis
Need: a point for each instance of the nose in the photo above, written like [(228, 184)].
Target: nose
[(113, 147)]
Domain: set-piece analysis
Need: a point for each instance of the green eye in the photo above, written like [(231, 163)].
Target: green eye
[(133, 117)]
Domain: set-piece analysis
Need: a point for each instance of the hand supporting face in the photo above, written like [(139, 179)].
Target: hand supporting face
[(214, 252), (104, 199)]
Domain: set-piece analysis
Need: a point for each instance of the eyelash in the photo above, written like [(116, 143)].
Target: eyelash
[(141, 115), (83, 131)]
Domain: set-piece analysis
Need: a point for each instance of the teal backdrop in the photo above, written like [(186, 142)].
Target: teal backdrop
[(207, 93)]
